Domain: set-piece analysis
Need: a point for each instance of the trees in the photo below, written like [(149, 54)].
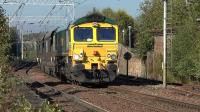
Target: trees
[(123, 20), (4, 41), (4, 54), (185, 56), (149, 20), (186, 41)]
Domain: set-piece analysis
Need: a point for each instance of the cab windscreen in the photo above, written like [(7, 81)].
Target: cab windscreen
[(106, 34), (83, 34)]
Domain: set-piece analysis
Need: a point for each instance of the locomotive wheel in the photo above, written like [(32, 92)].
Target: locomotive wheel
[(112, 74), (78, 76)]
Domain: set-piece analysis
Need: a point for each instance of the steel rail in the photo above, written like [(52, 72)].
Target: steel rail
[(145, 105), (152, 108), (190, 93), (158, 98), (75, 99)]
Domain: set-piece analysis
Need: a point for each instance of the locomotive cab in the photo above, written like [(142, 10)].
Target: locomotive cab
[(94, 51), (85, 51)]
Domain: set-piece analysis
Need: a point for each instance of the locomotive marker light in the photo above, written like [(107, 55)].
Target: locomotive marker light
[(127, 57), (108, 55), (76, 57)]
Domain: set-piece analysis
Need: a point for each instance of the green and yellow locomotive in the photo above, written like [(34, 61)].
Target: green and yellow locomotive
[(85, 51)]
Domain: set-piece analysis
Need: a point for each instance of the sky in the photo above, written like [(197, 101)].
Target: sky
[(130, 6)]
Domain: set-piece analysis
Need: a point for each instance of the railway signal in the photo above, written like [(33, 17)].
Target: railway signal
[(127, 57)]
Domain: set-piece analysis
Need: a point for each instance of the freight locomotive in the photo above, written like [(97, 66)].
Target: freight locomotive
[(85, 51)]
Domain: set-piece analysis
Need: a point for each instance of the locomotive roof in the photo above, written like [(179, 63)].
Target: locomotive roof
[(94, 18), (62, 28)]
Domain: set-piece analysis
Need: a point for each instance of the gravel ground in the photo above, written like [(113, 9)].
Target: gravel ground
[(33, 98), (64, 103), (112, 104), (166, 93), (106, 100)]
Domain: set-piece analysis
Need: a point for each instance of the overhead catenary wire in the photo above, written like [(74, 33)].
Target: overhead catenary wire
[(50, 13)]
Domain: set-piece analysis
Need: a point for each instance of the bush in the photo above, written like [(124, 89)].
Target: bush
[(21, 105), (46, 107)]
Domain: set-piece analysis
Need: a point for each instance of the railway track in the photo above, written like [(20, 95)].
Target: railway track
[(139, 107), (185, 92), (65, 101), (62, 98), (149, 108), (142, 102), (78, 89), (156, 101)]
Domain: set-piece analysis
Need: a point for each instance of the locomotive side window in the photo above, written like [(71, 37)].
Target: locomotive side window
[(106, 34), (83, 34)]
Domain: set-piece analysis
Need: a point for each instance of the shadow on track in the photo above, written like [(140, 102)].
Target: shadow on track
[(137, 81), (133, 81), (53, 84)]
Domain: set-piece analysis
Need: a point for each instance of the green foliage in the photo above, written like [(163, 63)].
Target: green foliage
[(7, 82), (124, 20), (22, 105), (46, 107), (184, 58), (4, 52), (13, 44), (186, 41), (6, 85), (149, 20), (186, 53), (4, 41), (145, 42)]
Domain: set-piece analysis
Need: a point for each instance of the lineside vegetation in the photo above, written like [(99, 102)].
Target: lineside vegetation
[(9, 99), (184, 55)]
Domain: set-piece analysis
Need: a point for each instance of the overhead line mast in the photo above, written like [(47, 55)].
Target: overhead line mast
[(21, 19), (164, 44)]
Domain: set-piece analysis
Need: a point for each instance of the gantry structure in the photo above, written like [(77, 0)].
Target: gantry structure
[(19, 19), (17, 15)]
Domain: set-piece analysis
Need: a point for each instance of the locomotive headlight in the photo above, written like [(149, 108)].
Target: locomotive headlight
[(113, 57), (108, 55), (76, 57), (81, 55)]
